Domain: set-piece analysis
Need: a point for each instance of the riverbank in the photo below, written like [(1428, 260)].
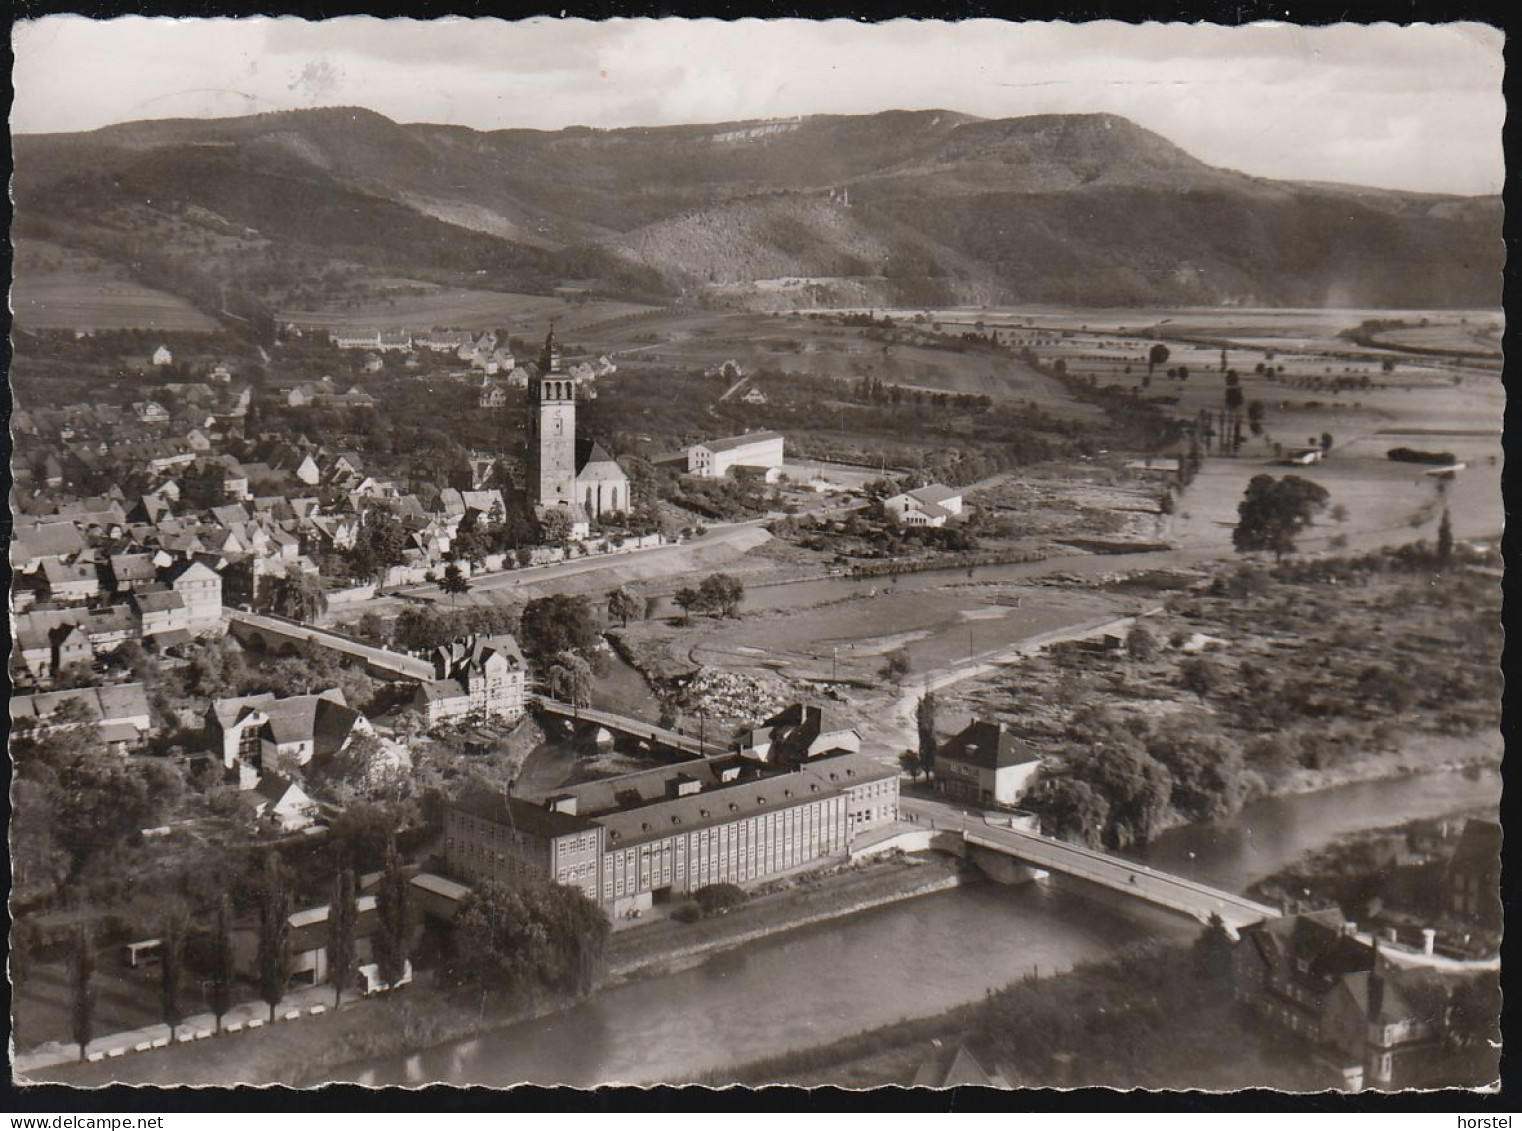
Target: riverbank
[(1143, 1019), (304, 1053), (667, 945)]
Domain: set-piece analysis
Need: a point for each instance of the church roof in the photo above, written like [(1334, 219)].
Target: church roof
[(589, 452)]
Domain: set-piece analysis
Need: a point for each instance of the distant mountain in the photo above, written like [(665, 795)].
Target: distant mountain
[(905, 207)]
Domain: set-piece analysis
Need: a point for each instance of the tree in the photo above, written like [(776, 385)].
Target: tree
[(297, 595), (1326, 441), (686, 599), (623, 605), (82, 986), (1198, 675), (1074, 809), (454, 582), (924, 719), (1210, 959), (1137, 787), (570, 680), (896, 666), (1445, 538), (1255, 417), (909, 762), (1206, 770), (1274, 511), (1156, 356), (389, 940), (171, 968), (1233, 399), (219, 984), (274, 959), (529, 940), (721, 592), (1141, 646), (342, 914), (555, 526), (558, 623)]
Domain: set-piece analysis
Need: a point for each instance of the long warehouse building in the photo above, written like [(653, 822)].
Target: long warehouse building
[(644, 838)]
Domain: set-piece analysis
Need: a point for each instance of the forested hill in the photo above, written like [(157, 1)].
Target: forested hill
[(903, 207)]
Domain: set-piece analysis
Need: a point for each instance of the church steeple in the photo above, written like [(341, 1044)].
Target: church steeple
[(549, 357)]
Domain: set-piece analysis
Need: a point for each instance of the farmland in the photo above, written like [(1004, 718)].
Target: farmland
[(60, 288), (421, 306)]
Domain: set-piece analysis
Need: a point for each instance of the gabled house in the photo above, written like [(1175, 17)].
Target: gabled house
[(480, 675), (120, 712), (200, 589), (70, 583), (256, 731), (986, 765), (162, 356), (797, 734), (279, 801), (924, 506), (160, 613)]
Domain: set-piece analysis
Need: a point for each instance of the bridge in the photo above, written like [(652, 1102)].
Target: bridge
[(635, 729), (277, 634), (1161, 889)]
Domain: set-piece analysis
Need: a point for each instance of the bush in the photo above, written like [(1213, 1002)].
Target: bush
[(719, 899), (687, 913)]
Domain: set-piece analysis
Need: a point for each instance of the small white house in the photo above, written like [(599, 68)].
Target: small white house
[(162, 356), (925, 506)]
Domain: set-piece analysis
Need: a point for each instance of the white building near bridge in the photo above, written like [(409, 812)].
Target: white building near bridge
[(986, 765)]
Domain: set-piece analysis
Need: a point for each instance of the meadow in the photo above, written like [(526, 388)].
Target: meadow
[(421, 306), (60, 288)]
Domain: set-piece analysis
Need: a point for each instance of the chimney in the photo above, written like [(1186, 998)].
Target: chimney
[(1429, 940), (1350, 929)]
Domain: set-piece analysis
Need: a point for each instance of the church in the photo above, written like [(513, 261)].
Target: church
[(579, 475)]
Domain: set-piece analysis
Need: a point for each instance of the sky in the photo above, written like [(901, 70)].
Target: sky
[(1416, 107)]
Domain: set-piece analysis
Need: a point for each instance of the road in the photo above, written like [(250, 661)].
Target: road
[(672, 558), (1162, 889), (633, 728), (379, 660), (896, 729)]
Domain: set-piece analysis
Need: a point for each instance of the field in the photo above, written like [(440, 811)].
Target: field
[(420, 306), (795, 344), (59, 288)]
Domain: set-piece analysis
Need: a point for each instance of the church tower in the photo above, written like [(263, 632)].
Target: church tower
[(555, 457)]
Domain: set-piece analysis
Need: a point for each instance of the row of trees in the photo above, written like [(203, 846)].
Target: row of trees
[(212, 954)]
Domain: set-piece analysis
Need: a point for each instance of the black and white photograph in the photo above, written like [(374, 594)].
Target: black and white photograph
[(923, 554)]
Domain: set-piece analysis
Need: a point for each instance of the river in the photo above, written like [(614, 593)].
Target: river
[(915, 958)]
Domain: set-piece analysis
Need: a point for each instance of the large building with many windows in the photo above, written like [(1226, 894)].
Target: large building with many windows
[(647, 837)]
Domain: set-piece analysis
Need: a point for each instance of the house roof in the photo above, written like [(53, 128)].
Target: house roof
[(162, 602), (935, 493), (730, 443), (988, 746), (133, 567), (228, 711), (522, 815), (589, 452), (114, 704), (45, 539), (959, 1069)]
